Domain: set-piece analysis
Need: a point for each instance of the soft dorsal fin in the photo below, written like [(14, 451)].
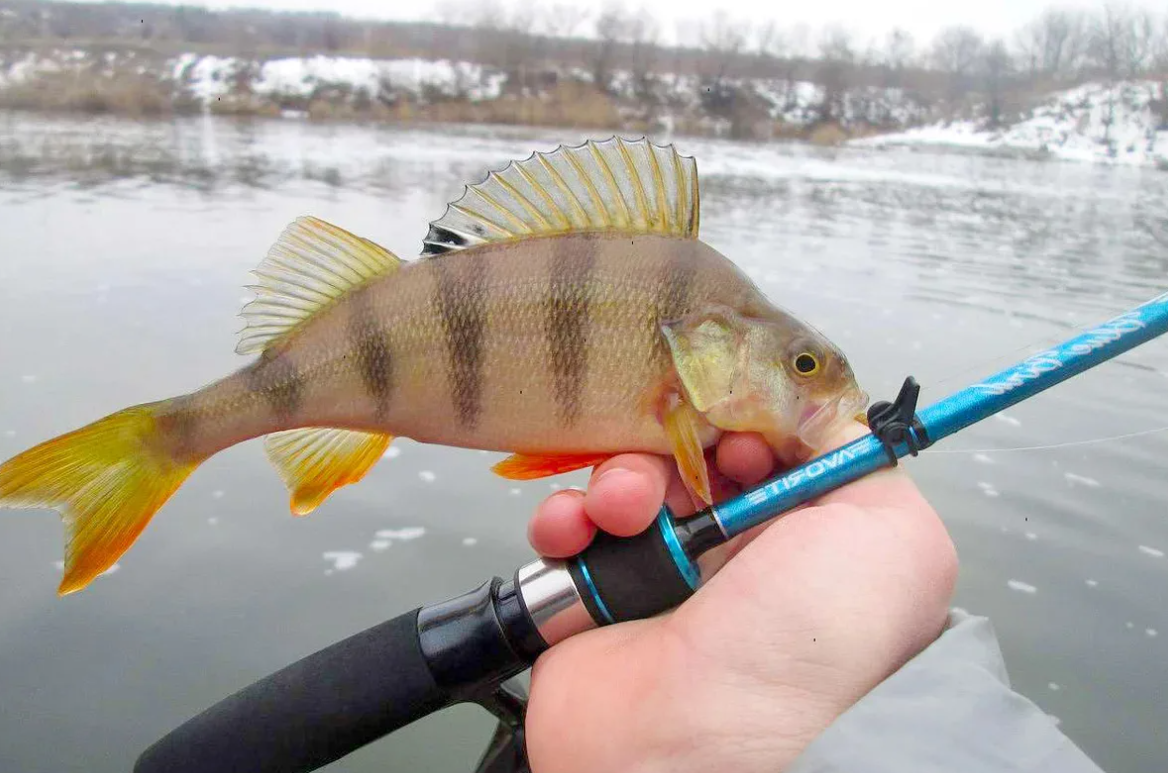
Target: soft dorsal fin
[(614, 185), (312, 264)]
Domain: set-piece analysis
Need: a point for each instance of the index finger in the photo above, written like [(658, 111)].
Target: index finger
[(889, 487), (626, 492)]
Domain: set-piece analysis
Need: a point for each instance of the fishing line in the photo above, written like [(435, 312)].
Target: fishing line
[(1068, 444)]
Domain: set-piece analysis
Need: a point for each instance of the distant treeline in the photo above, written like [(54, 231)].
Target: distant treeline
[(622, 50)]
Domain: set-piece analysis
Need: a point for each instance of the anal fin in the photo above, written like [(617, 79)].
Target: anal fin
[(530, 467), (682, 423), (316, 461)]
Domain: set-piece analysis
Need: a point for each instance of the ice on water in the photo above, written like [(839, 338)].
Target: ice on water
[(343, 560), (402, 535), (1082, 480)]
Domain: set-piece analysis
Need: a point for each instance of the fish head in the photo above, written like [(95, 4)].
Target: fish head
[(769, 373)]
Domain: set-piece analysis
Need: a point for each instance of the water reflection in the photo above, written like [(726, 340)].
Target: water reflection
[(940, 266)]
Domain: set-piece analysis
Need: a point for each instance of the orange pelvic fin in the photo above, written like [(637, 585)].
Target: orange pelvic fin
[(527, 467), (316, 461), (682, 424)]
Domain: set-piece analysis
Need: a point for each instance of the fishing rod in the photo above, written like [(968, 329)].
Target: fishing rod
[(465, 649)]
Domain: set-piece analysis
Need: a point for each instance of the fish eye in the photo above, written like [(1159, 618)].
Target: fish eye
[(806, 364)]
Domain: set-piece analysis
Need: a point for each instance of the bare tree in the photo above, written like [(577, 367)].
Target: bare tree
[(723, 39), (899, 51), (1160, 51), (562, 20), (1109, 50), (996, 67), (837, 56), (1141, 43), (607, 29), (1054, 44), (642, 35), (781, 62), (769, 40), (956, 52)]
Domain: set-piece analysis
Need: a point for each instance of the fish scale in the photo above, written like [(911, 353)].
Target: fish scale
[(563, 310)]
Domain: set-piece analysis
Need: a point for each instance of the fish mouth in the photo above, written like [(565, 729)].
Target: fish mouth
[(818, 421)]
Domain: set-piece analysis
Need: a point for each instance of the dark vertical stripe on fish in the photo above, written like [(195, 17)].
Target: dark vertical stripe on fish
[(566, 321), (673, 295), (370, 342), (461, 295), (277, 379)]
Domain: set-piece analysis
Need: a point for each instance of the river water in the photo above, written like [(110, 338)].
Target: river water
[(123, 251)]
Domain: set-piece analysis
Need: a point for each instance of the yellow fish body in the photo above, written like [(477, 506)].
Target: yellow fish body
[(563, 310)]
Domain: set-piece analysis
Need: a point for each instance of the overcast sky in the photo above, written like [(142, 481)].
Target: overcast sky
[(866, 18)]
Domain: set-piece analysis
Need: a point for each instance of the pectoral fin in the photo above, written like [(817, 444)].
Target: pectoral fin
[(682, 423), (528, 467), (705, 349)]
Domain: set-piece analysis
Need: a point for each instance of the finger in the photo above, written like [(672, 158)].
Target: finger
[(889, 487), (745, 457), (626, 492), (681, 502), (560, 527)]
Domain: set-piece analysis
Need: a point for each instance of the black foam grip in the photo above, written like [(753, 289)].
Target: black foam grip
[(635, 577), (310, 713)]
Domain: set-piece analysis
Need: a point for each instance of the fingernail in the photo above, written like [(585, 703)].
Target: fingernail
[(613, 475)]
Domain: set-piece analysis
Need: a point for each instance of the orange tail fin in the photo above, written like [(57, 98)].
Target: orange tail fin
[(107, 479)]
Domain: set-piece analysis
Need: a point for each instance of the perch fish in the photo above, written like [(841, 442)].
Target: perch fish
[(563, 310)]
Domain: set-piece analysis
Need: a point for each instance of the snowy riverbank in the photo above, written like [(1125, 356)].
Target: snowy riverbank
[(1125, 123), (145, 82), (1119, 124)]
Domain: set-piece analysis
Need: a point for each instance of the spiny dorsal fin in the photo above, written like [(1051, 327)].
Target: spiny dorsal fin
[(615, 185), (316, 461), (312, 264)]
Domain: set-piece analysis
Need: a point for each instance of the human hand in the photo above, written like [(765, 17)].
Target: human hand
[(806, 616)]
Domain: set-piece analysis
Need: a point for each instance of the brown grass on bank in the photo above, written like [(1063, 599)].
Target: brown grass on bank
[(124, 91), (86, 91), (828, 135), (575, 105)]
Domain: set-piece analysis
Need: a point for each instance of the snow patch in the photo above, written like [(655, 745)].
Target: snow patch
[(1153, 552), (1095, 122)]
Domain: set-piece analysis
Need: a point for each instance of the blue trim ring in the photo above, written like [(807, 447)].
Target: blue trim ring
[(592, 589), (685, 567)]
